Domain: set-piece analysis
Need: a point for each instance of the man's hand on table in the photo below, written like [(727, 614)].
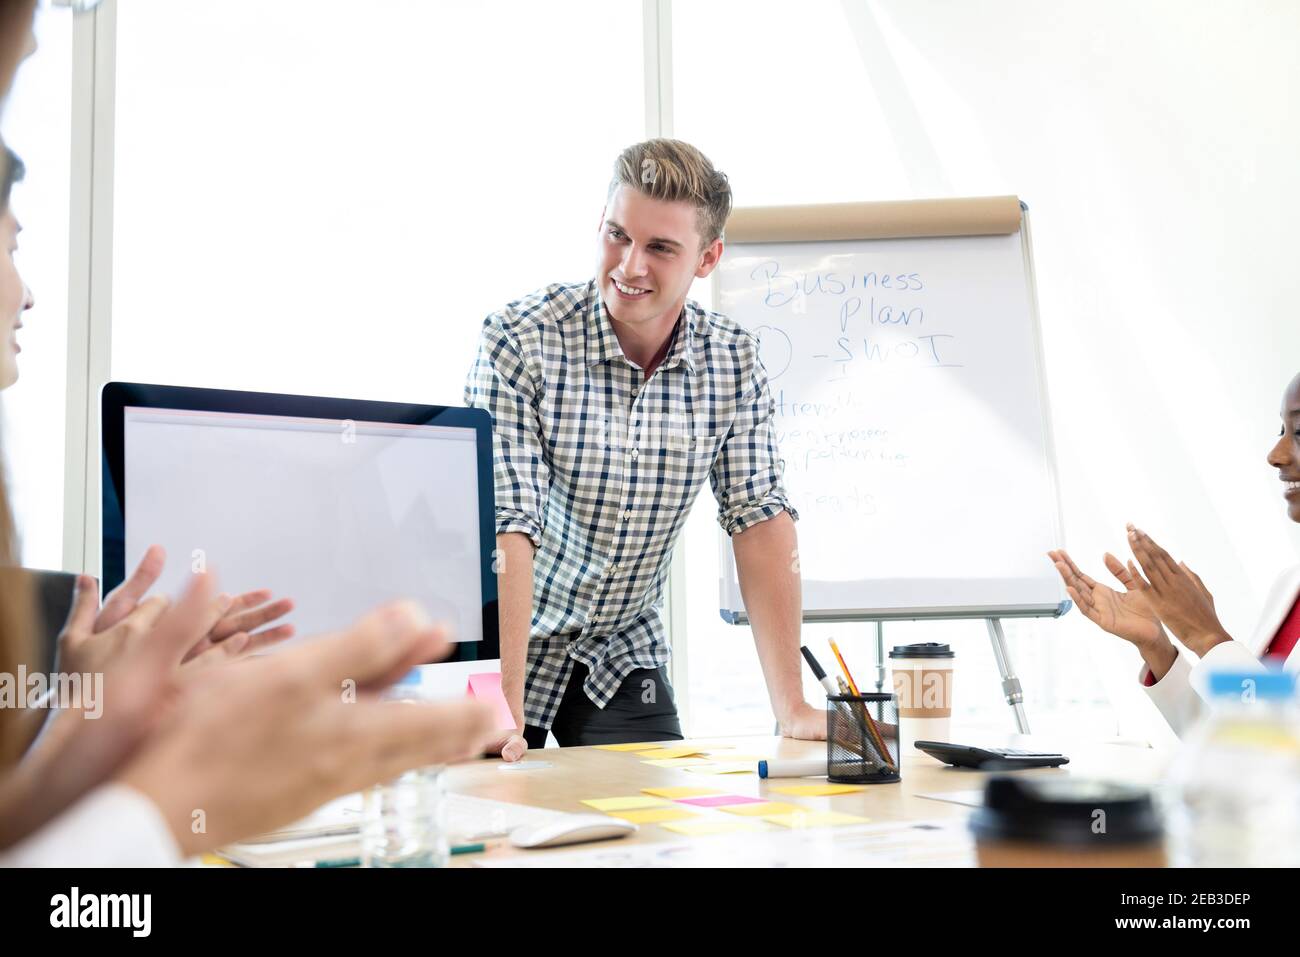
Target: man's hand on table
[(805, 723), (509, 744)]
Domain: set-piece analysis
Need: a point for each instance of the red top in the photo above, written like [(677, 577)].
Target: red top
[(1279, 649), (1287, 635)]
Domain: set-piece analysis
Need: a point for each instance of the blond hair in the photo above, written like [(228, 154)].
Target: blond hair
[(675, 171)]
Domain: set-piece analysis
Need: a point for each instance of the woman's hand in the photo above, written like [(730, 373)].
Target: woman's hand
[(1176, 594), (1125, 614), (235, 632), (87, 648), (134, 672), (250, 748), (90, 640)]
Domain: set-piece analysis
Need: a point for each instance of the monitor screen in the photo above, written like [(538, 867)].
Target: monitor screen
[(337, 512)]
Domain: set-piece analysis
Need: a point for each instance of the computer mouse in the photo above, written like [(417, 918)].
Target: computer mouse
[(574, 829)]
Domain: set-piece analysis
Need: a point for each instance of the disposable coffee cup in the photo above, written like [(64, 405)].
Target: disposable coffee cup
[(1066, 822), (922, 676)]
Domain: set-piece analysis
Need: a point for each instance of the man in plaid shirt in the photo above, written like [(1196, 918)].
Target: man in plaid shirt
[(612, 402)]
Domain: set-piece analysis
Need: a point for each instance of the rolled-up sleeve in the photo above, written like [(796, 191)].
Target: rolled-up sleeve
[(746, 477), (501, 383)]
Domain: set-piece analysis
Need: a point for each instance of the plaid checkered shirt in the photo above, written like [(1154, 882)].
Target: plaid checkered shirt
[(598, 466)]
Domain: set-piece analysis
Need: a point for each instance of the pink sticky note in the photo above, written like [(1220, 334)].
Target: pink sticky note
[(720, 800), (487, 687)]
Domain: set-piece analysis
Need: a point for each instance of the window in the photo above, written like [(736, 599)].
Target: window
[(328, 198)]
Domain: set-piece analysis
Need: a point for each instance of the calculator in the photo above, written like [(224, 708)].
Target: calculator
[(990, 759)]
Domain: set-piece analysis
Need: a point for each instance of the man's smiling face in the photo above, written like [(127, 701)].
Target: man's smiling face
[(649, 253)]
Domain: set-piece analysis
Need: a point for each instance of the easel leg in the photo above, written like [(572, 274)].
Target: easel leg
[(1010, 683)]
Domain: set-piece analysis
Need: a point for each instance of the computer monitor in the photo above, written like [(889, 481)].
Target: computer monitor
[(338, 504)]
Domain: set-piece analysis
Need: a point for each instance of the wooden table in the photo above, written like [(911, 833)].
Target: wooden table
[(584, 773)]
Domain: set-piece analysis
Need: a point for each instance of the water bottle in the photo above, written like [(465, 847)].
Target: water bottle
[(1235, 788), (404, 820)]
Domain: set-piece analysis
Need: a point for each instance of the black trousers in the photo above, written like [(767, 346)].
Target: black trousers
[(641, 710)]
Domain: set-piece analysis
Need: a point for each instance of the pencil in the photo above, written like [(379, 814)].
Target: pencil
[(848, 675), (870, 725)]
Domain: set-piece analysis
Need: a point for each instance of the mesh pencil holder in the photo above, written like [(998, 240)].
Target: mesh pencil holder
[(862, 738)]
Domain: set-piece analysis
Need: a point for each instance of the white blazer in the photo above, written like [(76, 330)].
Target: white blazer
[(1182, 693)]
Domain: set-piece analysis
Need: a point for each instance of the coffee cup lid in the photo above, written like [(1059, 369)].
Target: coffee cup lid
[(1069, 811), (925, 649)]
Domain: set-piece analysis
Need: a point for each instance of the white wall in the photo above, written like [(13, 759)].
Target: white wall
[(1155, 143)]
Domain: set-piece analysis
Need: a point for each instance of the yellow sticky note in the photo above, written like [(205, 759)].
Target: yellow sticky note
[(762, 810), (624, 803), (663, 754), (674, 793), (712, 768), (713, 825), (653, 815), (805, 818), (818, 790), (647, 746), (676, 763)]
